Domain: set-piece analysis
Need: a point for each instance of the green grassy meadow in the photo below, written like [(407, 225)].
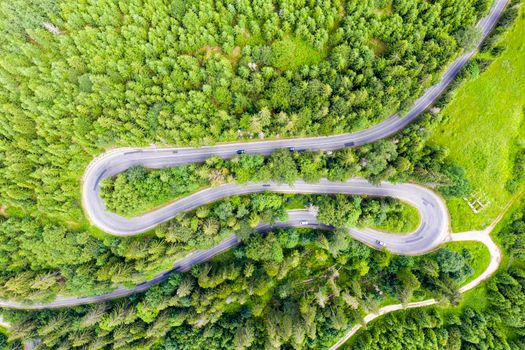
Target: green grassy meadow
[(292, 53), (484, 128)]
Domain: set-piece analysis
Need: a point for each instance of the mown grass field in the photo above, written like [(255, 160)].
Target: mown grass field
[(484, 128)]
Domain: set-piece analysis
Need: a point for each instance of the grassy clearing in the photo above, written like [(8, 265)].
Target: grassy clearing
[(386, 10), (247, 38), (475, 298), (406, 220), (480, 256), (291, 53), (295, 202), (484, 128), (378, 46)]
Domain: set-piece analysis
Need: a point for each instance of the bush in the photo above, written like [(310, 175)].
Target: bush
[(459, 184)]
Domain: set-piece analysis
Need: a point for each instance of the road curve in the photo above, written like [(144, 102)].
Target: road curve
[(432, 231), (495, 260), (118, 160)]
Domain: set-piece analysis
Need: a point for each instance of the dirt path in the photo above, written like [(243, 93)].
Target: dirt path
[(479, 236)]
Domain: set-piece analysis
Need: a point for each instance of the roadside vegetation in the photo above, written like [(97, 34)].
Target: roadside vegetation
[(491, 315), (483, 126), (476, 253), (78, 78), (295, 287), (402, 218)]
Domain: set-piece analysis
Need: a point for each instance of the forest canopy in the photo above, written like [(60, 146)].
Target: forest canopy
[(293, 288), (80, 77)]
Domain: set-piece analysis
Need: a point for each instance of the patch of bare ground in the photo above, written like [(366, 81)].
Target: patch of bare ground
[(208, 51), (378, 46), (235, 55), (384, 11)]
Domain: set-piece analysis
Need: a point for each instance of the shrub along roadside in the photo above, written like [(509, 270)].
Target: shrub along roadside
[(497, 322), (294, 287), (403, 157)]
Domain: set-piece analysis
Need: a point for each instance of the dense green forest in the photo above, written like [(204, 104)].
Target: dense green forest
[(291, 288), (81, 77), (500, 324), (77, 263), (127, 73), (3, 341), (78, 78)]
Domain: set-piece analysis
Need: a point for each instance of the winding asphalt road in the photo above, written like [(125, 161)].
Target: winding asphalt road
[(432, 231), (434, 217), (119, 160)]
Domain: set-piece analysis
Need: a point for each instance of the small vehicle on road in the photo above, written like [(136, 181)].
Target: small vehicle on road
[(291, 149), (303, 222), (266, 185), (241, 151), (380, 243)]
